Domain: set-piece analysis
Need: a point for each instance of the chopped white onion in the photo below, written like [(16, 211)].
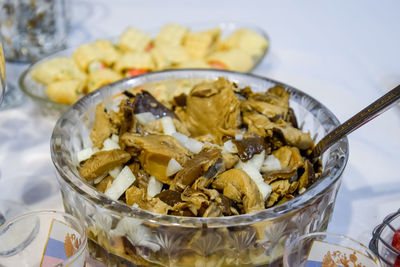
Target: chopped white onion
[(115, 138), (230, 147), (87, 142), (99, 179), (271, 163), (109, 144), (255, 175), (84, 154), (173, 167), (145, 117), (181, 138), (257, 160), (189, 143), (154, 187), (168, 125), (252, 168), (239, 137), (193, 145), (115, 172), (123, 181)]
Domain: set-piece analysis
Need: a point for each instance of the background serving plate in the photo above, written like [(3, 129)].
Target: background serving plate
[(37, 91)]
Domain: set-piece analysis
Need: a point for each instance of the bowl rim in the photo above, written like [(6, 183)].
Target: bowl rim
[(88, 192), (68, 52)]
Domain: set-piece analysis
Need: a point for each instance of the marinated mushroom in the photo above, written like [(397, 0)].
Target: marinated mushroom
[(239, 187), (100, 163), (212, 108), (214, 150), (102, 128), (155, 152)]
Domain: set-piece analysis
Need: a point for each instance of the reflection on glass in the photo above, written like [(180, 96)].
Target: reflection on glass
[(2, 73)]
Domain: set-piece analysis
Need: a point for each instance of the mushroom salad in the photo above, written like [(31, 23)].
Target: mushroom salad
[(216, 150)]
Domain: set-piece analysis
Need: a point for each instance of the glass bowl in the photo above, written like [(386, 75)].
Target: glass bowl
[(37, 91), (122, 234), (382, 236)]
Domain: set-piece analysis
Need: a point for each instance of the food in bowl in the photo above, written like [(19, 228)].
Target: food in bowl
[(136, 52), (215, 150), (125, 235)]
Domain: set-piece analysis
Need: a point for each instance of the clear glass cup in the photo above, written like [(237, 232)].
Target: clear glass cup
[(32, 29), (382, 236), (327, 249), (43, 238), (10, 209)]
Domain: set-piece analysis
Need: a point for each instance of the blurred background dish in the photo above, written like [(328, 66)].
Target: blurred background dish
[(58, 80), (30, 30), (385, 240)]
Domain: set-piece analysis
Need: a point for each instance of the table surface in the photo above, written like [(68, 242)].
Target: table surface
[(344, 53)]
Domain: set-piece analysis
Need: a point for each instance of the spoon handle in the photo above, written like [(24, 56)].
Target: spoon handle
[(358, 120)]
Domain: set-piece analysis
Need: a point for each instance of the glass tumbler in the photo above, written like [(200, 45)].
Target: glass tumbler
[(327, 249), (43, 238), (384, 237), (31, 29)]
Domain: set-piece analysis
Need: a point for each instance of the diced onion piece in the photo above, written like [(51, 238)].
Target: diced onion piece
[(115, 138), (173, 167), (154, 187), (84, 154), (229, 147), (189, 143), (123, 181), (252, 168), (95, 149), (238, 137), (257, 160), (135, 205), (193, 145), (255, 175), (109, 144), (99, 179), (87, 142), (113, 104), (115, 172), (145, 117), (181, 138), (168, 125), (271, 163)]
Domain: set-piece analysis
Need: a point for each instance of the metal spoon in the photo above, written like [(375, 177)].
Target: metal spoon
[(358, 120)]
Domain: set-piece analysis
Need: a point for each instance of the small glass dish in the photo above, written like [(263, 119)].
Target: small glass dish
[(327, 249), (37, 91), (382, 236), (43, 238)]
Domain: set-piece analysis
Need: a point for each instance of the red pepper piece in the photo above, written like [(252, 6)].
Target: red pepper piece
[(149, 47), (396, 240), (397, 262), (135, 72), (218, 65)]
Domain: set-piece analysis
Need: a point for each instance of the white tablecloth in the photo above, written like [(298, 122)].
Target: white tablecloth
[(345, 53)]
